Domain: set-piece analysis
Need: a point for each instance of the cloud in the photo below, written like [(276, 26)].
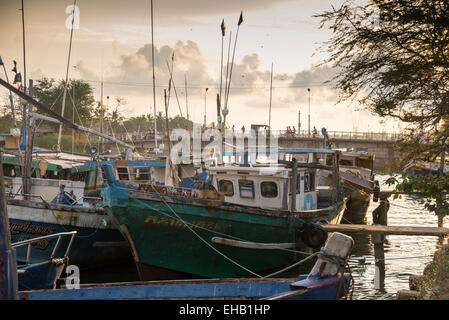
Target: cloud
[(184, 8), (84, 71), (314, 76), (132, 71)]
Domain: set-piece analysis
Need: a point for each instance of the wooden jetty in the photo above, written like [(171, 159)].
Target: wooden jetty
[(378, 229), (378, 233)]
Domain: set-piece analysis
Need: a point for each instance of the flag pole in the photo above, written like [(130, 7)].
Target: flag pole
[(154, 79), (227, 67), (233, 53), (223, 31)]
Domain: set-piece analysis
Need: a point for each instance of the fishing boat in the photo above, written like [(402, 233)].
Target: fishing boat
[(327, 280), (44, 273), (424, 168), (249, 221), (357, 172), (57, 203)]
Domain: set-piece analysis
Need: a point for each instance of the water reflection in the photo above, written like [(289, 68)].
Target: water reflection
[(404, 255)]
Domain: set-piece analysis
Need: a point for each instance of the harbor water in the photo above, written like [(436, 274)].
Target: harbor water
[(404, 255)]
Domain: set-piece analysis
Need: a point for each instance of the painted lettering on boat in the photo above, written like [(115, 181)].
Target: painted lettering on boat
[(174, 223), (41, 244), (28, 227)]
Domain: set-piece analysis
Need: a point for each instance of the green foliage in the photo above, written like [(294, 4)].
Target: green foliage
[(392, 56), (79, 93), (6, 122), (50, 142), (433, 190)]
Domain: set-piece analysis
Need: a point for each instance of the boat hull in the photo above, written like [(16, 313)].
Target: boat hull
[(204, 289), (358, 204), (177, 239), (97, 241)]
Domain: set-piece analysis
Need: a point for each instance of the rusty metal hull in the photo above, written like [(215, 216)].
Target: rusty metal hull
[(97, 241)]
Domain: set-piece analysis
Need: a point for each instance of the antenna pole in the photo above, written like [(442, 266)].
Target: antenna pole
[(271, 91), (24, 79), (66, 77), (154, 78), (187, 105), (308, 89)]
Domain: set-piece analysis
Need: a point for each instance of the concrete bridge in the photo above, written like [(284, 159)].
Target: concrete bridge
[(381, 144)]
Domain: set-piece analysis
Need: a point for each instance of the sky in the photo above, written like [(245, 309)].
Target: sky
[(112, 44)]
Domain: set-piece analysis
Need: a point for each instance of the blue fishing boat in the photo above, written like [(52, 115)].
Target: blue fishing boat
[(44, 273), (328, 280)]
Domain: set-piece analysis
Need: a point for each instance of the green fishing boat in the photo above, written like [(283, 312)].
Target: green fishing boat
[(251, 221)]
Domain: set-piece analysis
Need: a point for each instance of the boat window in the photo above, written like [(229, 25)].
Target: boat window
[(142, 173), (122, 173), (78, 176), (269, 189), (345, 162), (51, 175), (9, 171), (309, 182), (226, 187), (364, 163), (246, 188)]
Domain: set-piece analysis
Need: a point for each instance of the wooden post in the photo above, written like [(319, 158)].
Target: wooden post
[(380, 217), (8, 272), (379, 256), (336, 175)]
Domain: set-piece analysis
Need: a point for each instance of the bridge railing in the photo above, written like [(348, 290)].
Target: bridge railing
[(373, 136), (378, 136)]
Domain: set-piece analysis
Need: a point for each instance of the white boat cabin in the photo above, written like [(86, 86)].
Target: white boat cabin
[(265, 186), (360, 164)]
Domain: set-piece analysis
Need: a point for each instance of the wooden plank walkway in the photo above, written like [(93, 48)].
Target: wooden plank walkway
[(386, 230)]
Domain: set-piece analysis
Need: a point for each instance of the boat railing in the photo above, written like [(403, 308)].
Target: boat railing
[(12, 195), (29, 242)]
